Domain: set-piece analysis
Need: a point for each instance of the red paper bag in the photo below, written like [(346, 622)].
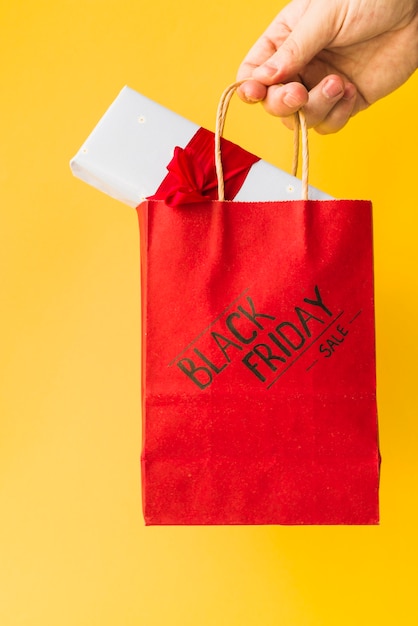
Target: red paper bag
[(259, 392)]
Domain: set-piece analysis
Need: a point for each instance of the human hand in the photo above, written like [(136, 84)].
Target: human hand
[(333, 57)]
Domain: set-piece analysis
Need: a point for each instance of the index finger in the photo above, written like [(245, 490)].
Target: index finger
[(262, 50)]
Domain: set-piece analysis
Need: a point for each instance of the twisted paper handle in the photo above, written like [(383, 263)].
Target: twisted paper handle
[(300, 125)]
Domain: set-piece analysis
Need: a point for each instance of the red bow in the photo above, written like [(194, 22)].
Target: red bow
[(191, 172)]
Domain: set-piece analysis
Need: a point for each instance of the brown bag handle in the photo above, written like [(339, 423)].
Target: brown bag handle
[(300, 125)]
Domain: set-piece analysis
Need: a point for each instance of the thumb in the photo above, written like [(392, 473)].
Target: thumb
[(314, 31)]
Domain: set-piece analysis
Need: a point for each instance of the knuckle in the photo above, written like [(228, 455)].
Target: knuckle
[(292, 49)]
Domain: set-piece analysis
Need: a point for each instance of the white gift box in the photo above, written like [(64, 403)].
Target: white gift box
[(127, 153)]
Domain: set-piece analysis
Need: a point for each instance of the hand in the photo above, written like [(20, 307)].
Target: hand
[(333, 57)]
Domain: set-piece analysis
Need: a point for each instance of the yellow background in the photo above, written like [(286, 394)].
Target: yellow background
[(73, 547)]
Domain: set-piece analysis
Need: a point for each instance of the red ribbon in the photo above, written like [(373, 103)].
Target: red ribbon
[(192, 175)]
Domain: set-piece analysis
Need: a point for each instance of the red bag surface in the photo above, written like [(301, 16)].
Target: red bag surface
[(259, 392)]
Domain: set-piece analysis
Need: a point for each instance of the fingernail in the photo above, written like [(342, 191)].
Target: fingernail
[(266, 70), (248, 97), (333, 89), (291, 101)]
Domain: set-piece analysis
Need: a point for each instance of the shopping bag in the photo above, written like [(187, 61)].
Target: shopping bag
[(259, 391)]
